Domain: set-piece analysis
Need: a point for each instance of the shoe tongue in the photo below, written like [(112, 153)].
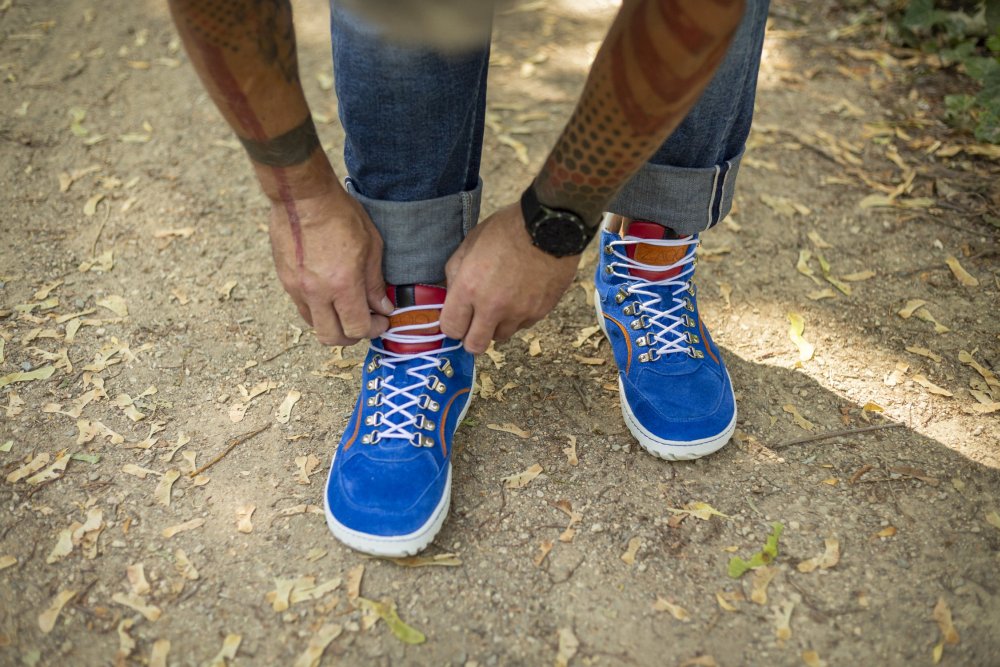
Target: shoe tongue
[(406, 296), (655, 255)]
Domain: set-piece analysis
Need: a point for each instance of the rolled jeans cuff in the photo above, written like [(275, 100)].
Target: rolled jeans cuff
[(687, 200), (420, 236)]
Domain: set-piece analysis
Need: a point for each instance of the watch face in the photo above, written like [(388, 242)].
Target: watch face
[(560, 234)]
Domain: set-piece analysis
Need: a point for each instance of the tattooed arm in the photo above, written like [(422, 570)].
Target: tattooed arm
[(326, 251), (657, 58)]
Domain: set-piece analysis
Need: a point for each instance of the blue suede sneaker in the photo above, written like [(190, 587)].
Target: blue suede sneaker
[(675, 392), (390, 481)]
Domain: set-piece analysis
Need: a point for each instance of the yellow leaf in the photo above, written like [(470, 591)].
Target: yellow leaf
[(797, 417), (797, 325), (520, 150), (243, 518), (993, 519), (817, 240), (438, 560), (543, 551), (942, 614), (43, 373), (783, 621), (386, 610), (183, 527), (825, 293), (7, 561), (151, 612), (678, 612), (888, 531), (522, 479), (872, 407), (699, 510), (812, 659), (961, 275), (925, 315), (937, 652)]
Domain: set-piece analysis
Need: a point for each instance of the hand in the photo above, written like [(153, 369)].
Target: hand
[(499, 282), (335, 276)]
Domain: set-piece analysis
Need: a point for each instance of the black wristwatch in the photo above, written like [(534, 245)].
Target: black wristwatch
[(556, 231)]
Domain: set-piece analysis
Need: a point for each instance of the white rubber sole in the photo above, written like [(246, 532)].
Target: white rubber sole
[(396, 546), (669, 450)]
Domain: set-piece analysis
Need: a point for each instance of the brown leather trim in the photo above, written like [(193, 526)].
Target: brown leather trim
[(444, 420), (628, 341), (357, 425), (708, 343)]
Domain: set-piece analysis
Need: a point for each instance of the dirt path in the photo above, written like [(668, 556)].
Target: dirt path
[(111, 156)]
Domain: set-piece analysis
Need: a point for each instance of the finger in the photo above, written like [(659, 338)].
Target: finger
[(378, 327), (507, 329), (352, 311), (375, 284), (456, 315), (327, 326), (480, 334), (303, 311)]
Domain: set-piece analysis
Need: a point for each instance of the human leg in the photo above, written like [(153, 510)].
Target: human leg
[(676, 394), (414, 123)]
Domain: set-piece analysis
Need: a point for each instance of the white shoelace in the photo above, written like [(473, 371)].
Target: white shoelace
[(407, 425), (663, 320)]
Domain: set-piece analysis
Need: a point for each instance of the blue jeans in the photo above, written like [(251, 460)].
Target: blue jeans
[(413, 119)]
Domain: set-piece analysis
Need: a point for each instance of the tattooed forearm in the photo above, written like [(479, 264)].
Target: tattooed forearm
[(658, 57), (291, 148)]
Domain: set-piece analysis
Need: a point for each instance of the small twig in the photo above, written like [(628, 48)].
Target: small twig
[(232, 445), (847, 432), (278, 354), (100, 230)]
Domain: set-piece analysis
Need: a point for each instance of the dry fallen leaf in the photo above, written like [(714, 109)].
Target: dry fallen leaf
[(942, 614), (115, 303), (762, 577), (230, 645), (797, 325), (243, 515), (911, 307), (513, 429), (136, 575), (699, 510), (993, 519), (543, 551), (812, 659), (136, 603), (522, 479), (184, 566), (162, 493), (633, 548), (961, 275), (386, 610), (829, 558), (726, 599), (783, 620), (307, 466), (183, 527), (700, 661), (47, 619), (570, 451), (318, 642), (285, 409), (568, 646), (7, 561), (159, 652), (676, 611), (930, 386), (797, 417), (437, 560)]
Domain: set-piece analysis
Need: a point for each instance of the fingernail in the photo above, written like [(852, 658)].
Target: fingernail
[(387, 305)]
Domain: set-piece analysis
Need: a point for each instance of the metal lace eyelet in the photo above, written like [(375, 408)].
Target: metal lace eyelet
[(641, 341), (609, 269), (424, 423), (373, 420), (640, 322), (371, 438), (374, 363), (425, 403), (633, 308), (688, 322), (608, 249), (420, 440), (621, 295), (652, 355), (447, 368), (374, 384), (691, 338), (432, 382), (688, 304), (695, 354), (375, 401)]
